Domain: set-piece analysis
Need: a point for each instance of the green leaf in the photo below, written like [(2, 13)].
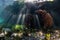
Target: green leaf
[(19, 27)]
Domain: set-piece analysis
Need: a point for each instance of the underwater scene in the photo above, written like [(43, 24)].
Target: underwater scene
[(29, 20)]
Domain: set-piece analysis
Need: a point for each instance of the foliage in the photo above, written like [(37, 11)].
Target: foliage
[(16, 28)]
